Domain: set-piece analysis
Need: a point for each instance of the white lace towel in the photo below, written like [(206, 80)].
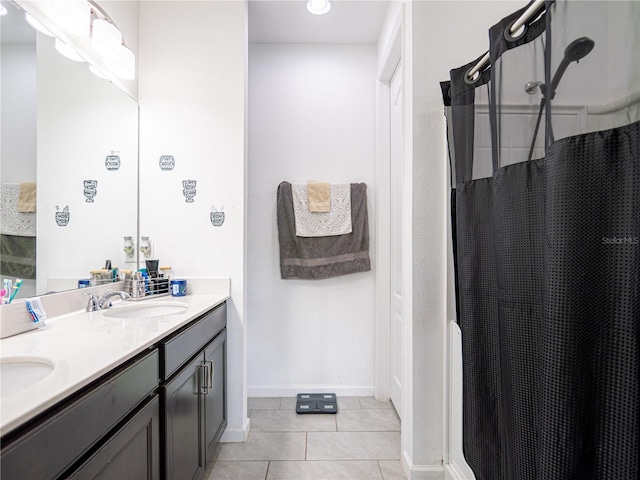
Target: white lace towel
[(337, 221), (13, 222)]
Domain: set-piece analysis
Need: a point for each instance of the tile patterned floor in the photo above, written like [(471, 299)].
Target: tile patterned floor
[(360, 442)]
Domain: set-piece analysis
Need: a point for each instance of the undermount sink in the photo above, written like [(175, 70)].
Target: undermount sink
[(146, 310), (18, 373)]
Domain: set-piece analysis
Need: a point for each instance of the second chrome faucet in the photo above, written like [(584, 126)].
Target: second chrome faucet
[(95, 303)]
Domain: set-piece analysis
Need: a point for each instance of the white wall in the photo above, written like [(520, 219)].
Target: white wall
[(311, 116), (439, 36), (18, 113), (192, 86)]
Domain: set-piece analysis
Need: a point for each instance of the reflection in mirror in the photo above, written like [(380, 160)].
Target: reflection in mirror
[(76, 150)]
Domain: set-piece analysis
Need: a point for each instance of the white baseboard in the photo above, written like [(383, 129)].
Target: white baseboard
[(237, 435), (421, 472), (293, 390), (452, 471)]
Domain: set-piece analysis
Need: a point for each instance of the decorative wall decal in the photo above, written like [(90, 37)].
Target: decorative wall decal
[(112, 162), (90, 190), (62, 217), (217, 217), (189, 190), (167, 162)]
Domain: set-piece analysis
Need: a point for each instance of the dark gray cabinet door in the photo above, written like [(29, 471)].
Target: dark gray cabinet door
[(215, 399), (61, 438), (184, 447), (132, 453), (194, 395)]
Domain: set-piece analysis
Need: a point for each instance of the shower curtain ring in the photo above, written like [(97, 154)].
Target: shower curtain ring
[(512, 37)]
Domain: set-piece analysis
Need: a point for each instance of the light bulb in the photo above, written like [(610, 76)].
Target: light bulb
[(74, 16), (106, 39), (37, 25), (125, 66)]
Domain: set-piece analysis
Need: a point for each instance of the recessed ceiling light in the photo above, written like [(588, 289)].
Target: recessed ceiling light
[(319, 7), (3, 10)]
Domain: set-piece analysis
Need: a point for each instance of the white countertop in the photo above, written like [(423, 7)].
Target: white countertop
[(84, 346)]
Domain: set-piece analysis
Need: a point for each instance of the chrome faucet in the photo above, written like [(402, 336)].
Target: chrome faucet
[(104, 302), (94, 304)]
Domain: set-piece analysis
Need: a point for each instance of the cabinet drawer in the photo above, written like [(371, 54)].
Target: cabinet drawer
[(176, 351), (57, 441), (132, 453)]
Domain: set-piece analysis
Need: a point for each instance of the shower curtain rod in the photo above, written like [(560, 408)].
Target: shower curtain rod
[(524, 18)]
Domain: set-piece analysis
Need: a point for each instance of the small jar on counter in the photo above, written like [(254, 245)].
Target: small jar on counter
[(97, 277), (178, 288), (166, 272)]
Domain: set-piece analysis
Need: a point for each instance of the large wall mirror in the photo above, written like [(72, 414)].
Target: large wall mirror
[(73, 138)]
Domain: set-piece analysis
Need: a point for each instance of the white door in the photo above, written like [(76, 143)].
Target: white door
[(397, 290)]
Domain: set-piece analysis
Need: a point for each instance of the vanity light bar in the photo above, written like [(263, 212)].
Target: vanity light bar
[(72, 16), (108, 42), (85, 18)]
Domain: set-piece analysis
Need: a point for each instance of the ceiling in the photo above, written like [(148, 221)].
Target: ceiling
[(287, 21), (273, 21)]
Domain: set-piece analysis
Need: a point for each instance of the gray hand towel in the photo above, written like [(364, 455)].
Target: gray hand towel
[(323, 257)]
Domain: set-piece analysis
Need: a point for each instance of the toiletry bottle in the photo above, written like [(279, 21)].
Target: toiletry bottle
[(145, 277), (166, 271), (95, 277), (139, 284)]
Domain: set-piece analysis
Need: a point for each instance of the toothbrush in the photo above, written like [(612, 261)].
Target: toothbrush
[(16, 287), (3, 292), (8, 285)]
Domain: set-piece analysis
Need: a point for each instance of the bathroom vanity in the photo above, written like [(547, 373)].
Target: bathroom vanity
[(131, 394)]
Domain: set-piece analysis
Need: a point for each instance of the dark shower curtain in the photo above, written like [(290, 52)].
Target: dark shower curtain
[(545, 159)]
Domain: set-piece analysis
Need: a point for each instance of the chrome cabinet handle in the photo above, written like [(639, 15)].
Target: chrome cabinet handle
[(204, 377), (209, 365)]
